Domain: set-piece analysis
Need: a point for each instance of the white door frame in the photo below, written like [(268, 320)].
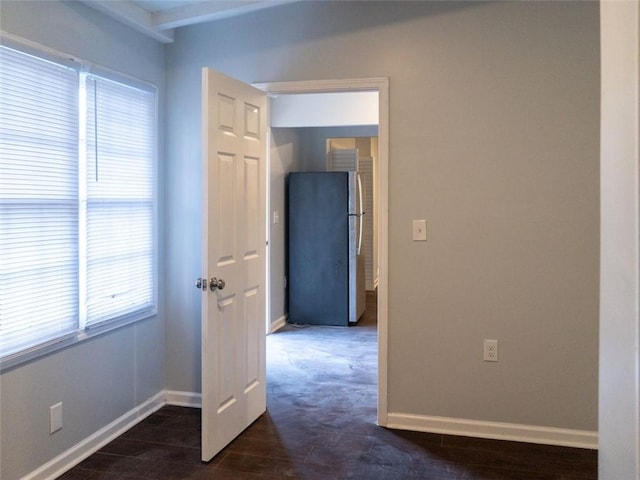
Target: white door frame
[(381, 85)]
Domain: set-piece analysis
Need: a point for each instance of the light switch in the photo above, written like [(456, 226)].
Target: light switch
[(276, 217), (420, 230)]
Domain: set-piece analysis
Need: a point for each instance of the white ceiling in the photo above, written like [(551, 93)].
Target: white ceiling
[(158, 18)]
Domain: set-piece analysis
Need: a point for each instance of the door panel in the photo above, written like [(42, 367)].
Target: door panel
[(233, 314), (252, 217), (225, 182)]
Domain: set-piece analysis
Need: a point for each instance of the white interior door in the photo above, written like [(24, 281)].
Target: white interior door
[(234, 244)]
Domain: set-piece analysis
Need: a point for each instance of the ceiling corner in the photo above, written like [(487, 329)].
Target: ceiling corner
[(129, 13)]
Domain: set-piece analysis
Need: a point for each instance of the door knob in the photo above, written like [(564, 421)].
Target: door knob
[(216, 284), (201, 283)]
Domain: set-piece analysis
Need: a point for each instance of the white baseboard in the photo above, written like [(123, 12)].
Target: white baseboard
[(450, 426), (76, 454), (494, 430), (278, 324), (183, 399)]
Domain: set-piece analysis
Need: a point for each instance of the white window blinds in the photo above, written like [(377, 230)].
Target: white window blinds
[(38, 200), (77, 201), (119, 199)]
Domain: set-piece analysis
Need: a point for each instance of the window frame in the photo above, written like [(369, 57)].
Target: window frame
[(82, 332)]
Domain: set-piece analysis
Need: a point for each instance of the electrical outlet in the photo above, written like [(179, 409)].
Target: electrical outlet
[(490, 350), (55, 417)]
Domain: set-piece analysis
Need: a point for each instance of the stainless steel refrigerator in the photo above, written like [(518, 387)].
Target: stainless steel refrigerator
[(326, 260)]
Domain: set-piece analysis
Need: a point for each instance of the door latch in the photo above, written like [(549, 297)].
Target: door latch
[(201, 283)]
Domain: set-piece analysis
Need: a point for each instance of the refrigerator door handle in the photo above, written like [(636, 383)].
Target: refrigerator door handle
[(361, 213), (360, 234)]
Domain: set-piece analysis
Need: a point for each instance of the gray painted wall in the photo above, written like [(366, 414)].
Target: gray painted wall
[(494, 112), (101, 379), (285, 157)]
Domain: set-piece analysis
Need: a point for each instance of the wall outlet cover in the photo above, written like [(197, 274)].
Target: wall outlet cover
[(420, 230), (55, 417), (490, 350)]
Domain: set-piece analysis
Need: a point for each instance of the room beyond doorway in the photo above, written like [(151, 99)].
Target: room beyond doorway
[(381, 86)]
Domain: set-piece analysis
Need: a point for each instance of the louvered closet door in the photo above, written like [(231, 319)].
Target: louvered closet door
[(365, 167), (343, 159)]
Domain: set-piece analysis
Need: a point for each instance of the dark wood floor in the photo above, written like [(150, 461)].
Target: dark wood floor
[(320, 424)]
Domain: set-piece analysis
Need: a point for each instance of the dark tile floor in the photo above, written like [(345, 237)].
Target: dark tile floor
[(320, 424)]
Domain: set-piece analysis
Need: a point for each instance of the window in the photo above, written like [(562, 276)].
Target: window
[(77, 202)]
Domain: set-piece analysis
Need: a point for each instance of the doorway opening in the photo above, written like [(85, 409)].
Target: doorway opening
[(377, 301)]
